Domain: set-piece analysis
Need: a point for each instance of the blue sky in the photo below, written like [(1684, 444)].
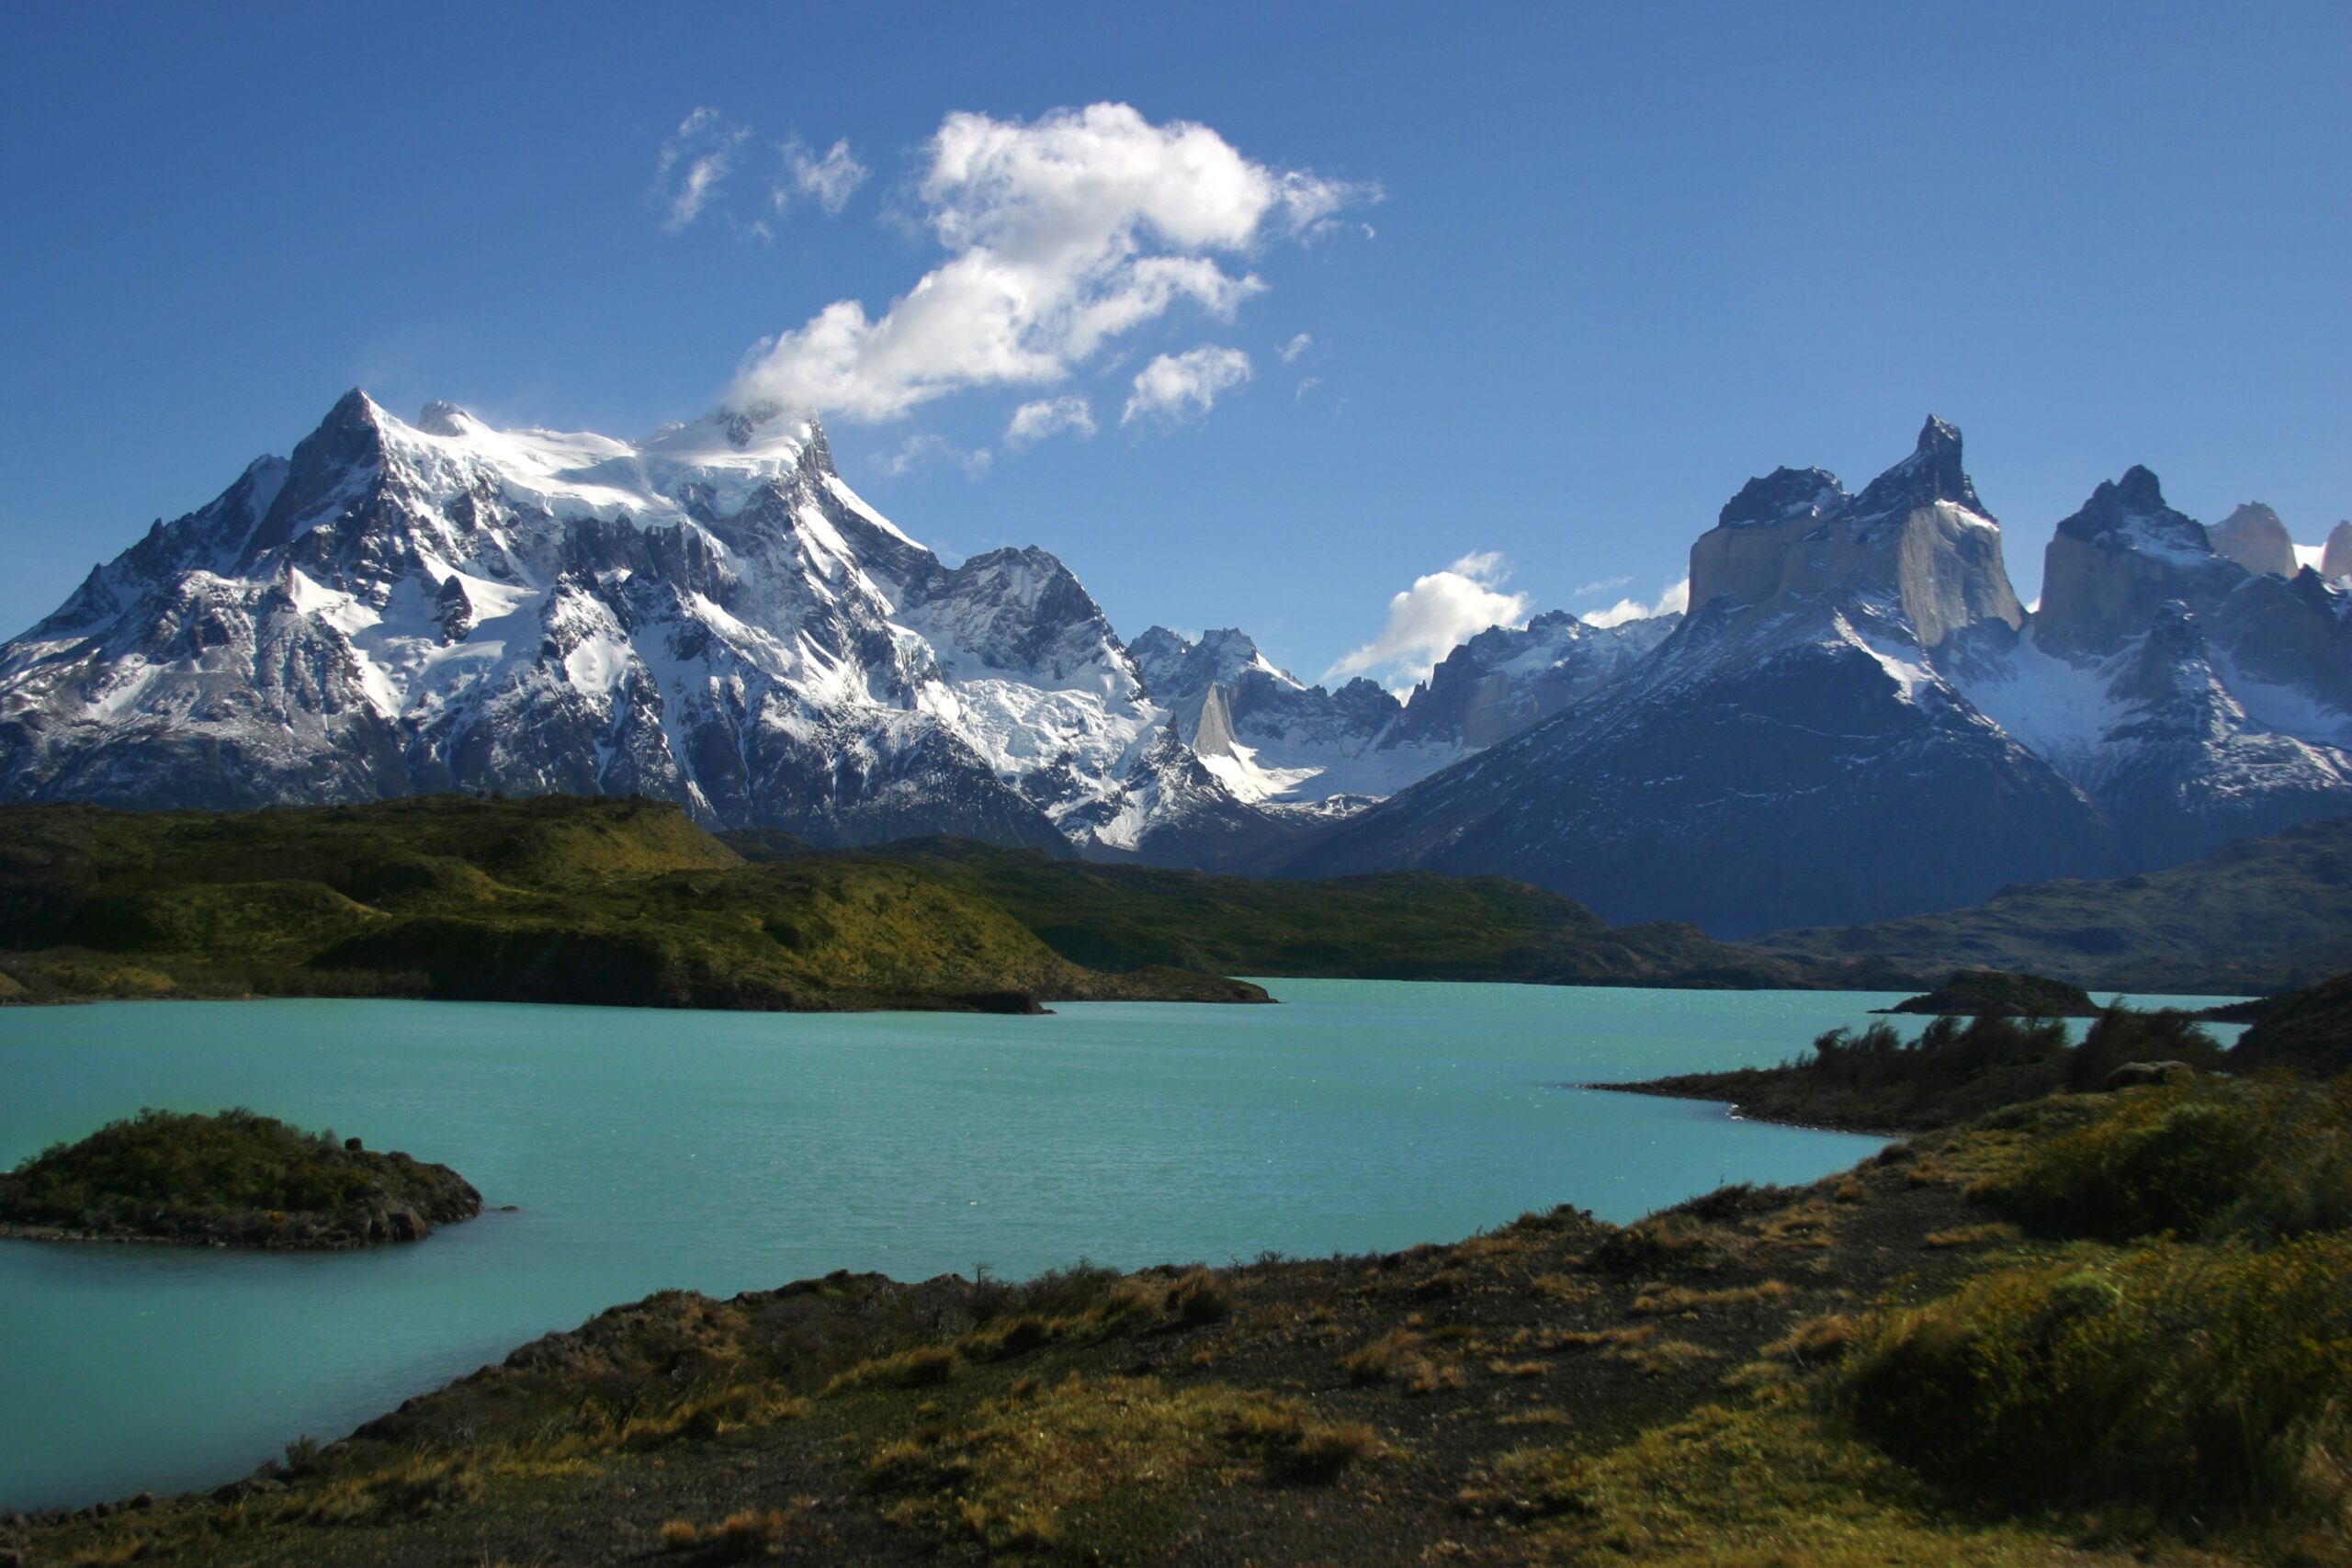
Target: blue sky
[(1566, 275)]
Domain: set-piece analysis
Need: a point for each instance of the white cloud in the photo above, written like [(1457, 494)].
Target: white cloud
[(1303, 387), (1290, 351), (1050, 416), (1434, 616), (1184, 386), (923, 449), (1674, 600), (828, 180), (1064, 234), (1606, 585), (694, 161)]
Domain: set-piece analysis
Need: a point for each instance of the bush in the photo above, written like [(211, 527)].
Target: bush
[(2198, 1382), (2207, 1158)]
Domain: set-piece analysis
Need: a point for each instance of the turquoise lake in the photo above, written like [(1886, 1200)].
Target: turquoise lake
[(723, 1152)]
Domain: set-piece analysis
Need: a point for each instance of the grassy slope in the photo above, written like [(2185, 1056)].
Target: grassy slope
[(2256, 914), (555, 898), (1696, 1388), (232, 1179), (1399, 925)]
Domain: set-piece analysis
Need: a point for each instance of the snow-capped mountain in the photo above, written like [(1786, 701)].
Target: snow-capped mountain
[(1274, 740), (2195, 699), (710, 615), (1857, 719)]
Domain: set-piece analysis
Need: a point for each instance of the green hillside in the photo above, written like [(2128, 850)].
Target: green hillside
[(555, 898), (1406, 925), (2256, 914)]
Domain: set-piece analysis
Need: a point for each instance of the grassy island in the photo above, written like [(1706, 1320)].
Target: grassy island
[(1875, 1081), (234, 1179), (2094, 1330)]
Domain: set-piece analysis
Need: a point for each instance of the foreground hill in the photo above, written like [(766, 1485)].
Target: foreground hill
[(1388, 926), (2258, 915), (1972, 1350), (552, 899)]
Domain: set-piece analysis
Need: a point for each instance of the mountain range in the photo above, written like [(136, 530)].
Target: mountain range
[(1856, 720)]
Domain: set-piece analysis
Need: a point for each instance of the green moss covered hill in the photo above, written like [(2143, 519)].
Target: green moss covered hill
[(1390, 926), (2103, 1329), (234, 1179), (551, 899)]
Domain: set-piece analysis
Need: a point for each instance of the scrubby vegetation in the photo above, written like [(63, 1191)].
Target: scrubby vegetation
[(1876, 1080), (556, 898), (234, 1179), (2207, 1158), (2201, 1385)]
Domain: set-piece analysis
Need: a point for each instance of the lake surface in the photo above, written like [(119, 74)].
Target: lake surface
[(723, 1152)]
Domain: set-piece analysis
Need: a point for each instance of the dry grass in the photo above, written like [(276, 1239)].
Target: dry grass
[(1971, 1235), (926, 1366), (1076, 1467), (1661, 1299), (1816, 1340), (1639, 1347)]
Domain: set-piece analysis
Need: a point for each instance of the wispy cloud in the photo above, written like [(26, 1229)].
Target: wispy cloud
[(1176, 386), (828, 181), (1434, 616), (1606, 585), (694, 160), (1290, 351), (1064, 234), (923, 449), (1673, 600), (1050, 416)]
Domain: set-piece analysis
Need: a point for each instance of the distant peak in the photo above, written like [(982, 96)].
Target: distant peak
[(1933, 473), (2137, 491)]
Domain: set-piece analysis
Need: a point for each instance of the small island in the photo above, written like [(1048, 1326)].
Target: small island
[(1999, 993), (234, 1180)]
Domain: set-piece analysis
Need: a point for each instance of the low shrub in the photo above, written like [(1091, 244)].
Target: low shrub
[(2204, 1157), (1200, 1297), (2192, 1381)]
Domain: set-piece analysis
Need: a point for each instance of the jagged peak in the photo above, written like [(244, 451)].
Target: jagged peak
[(2132, 509), (1931, 473), (1784, 492)]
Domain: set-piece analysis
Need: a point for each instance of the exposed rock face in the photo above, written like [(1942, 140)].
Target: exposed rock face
[(2112, 564), (2255, 538), (1916, 543), (2336, 557)]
